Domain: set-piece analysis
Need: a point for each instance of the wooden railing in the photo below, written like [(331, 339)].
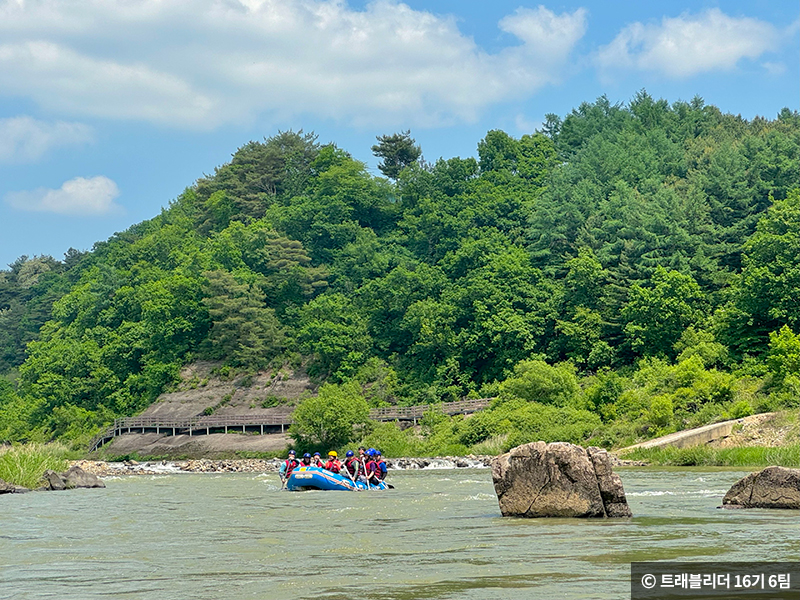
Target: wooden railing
[(204, 424), (409, 413)]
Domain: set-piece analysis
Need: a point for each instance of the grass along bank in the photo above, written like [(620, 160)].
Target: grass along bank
[(24, 465), (707, 456)]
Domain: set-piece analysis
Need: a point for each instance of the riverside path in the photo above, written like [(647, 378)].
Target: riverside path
[(264, 424)]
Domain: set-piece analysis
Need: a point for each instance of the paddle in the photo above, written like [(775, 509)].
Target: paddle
[(285, 480)]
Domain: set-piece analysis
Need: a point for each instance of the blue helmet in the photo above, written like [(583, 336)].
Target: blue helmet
[(349, 453), (306, 455), (317, 454), (292, 453), (377, 452)]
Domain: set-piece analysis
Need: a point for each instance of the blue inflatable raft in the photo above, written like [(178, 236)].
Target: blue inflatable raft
[(314, 478)]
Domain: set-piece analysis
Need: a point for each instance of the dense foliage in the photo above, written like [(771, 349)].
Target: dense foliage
[(628, 271)]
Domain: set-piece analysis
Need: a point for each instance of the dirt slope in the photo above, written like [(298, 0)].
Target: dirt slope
[(769, 429), (201, 391)]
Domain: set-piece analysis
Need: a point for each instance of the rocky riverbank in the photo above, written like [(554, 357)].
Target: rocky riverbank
[(256, 465)]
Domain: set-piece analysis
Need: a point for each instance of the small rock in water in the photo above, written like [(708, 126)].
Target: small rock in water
[(6, 488), (773, 487)]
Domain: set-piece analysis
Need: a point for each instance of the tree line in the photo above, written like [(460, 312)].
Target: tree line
[(628, 270)]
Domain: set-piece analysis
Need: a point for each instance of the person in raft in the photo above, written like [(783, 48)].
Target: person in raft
[(371, 467), (333, 465), (351, 464), (317, 461), (382, 469), (306, 461), (288, 465)]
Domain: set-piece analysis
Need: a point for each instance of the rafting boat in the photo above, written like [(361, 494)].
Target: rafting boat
[(314, 478)]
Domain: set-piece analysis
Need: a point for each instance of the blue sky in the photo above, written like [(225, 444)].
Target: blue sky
[(110, 108)]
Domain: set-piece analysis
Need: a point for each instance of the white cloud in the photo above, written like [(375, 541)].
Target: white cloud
[(550, 36), (79, 196), (689, 45), (24, 139), (198, 63), (58, 78)]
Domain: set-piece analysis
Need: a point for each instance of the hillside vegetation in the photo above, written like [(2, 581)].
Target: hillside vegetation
[(626, 272)]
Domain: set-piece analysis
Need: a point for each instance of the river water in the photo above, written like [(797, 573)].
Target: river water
[(439, 535)]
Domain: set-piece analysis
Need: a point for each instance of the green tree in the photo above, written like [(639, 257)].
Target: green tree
[(259, 174), (764, 298), (783, 357), (398, 151), (334, 333), (536, 381), (244, 331), (657, 316), (336, 416)]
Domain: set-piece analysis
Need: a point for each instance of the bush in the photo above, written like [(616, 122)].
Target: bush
[(536, 381), (740, 409), (661, 411)]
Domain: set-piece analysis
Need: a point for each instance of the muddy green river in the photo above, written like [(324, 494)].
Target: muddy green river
[(439, 534)]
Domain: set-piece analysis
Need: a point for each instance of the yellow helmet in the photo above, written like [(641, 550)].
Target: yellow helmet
[(333, 453)]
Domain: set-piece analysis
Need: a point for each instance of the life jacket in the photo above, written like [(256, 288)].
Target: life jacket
[(334, 466), (371, 468), (317, 462), (352, 465), (382, 469), (291, 465)]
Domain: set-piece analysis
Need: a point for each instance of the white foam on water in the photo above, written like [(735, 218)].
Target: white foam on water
[(670, 493)]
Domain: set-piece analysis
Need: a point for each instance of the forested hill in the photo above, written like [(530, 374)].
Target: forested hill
[(668, 233)]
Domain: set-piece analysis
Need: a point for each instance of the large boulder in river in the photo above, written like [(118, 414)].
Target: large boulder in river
[(75, 477), (558, 480), (774, 487)]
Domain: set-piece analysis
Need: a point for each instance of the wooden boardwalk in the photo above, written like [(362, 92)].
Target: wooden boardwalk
[(262, 425)]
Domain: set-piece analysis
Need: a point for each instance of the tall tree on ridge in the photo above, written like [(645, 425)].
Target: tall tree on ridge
[(397, 151)]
